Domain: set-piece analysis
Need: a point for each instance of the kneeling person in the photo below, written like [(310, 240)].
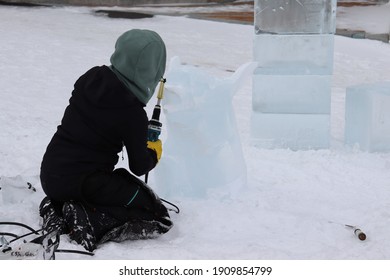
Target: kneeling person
[(87, 197)]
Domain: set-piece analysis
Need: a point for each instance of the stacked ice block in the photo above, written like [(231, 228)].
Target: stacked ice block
[(367, 117), (293, 46)]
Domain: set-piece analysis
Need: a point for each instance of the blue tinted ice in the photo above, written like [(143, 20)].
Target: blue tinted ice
[(295, 16), (367, 117)]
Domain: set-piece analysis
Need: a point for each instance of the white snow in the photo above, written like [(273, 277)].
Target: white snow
[(372, 19), (295, 204)]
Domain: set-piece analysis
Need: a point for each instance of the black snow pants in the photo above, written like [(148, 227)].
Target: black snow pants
[(119, 195)]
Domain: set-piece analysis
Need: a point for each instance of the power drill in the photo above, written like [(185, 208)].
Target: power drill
[(154, 127)]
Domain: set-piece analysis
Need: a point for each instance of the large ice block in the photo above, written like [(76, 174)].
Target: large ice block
[(307, 94), (203, 150), (294, 54), (294, 131), (367, 117), (295, 16)]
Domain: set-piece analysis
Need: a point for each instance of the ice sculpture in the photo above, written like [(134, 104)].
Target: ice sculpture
[(203, 149), (295, 16), (293, 45), (367, 117)]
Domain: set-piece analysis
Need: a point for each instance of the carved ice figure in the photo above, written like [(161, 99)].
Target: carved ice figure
[(203, 148)]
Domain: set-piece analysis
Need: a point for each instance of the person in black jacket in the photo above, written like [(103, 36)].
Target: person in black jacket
[(86, 196)]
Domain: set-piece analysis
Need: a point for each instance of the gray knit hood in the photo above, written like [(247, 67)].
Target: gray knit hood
[(139, 62)]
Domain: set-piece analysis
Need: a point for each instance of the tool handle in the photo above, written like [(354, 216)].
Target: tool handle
[(360, 234), (154, 127), (160, 93), (156, 113)]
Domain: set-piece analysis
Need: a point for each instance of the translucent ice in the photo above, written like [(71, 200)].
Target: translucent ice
[(304, 94), (367, 117), (293, 131), (294, 46), (294, 54), (295, 16), (203, 149)]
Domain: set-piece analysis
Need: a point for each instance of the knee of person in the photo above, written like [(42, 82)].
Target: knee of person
[(122, 172)]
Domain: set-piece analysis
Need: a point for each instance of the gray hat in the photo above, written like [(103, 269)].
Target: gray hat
[(139, 62)]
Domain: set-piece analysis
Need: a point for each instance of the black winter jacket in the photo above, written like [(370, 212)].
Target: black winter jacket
[(101, 117)]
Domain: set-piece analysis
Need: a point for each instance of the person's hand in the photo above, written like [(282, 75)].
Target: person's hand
[(157, 147)]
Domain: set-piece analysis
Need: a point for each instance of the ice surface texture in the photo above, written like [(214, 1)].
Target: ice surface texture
[(295, 16), (292, 131), (294, 54), (203, 149), (367, 117), (287, 94), (291, 98), (294, 46)]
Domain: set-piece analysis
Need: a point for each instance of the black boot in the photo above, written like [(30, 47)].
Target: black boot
[(80, 228), (135, 230), (86, 224), (52, 218)]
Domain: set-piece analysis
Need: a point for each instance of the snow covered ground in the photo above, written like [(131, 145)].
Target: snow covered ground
[(372, 19), (295, 205)]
